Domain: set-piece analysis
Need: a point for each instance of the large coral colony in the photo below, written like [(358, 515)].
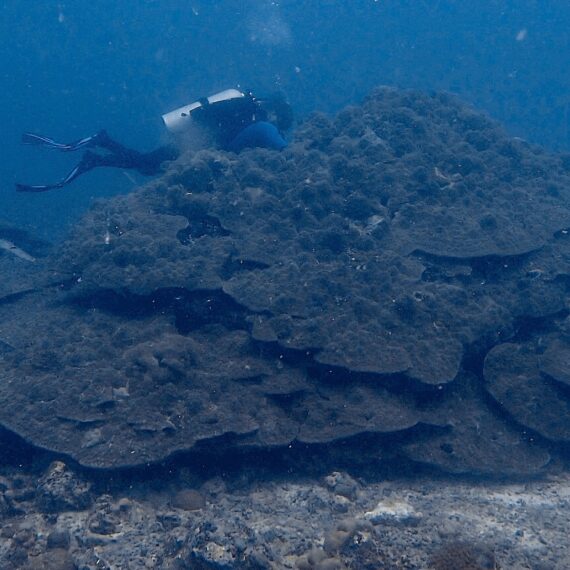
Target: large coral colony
[(400, 272)]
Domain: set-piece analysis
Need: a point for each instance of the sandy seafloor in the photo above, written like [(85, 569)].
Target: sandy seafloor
[(53, 518)]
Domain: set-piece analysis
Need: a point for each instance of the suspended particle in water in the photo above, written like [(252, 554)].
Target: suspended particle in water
[(521, 35)]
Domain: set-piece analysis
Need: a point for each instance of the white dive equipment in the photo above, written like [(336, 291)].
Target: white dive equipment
[(178, 120)]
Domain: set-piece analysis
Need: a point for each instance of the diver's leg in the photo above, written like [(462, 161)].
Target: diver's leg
[(103, 140), (147, 164), (123, 157), (150, 163), (100, 139)]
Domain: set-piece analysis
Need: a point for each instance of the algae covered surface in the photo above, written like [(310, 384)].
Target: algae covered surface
[(378, 282)]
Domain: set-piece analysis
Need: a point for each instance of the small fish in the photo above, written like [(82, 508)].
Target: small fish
[(15, 250)]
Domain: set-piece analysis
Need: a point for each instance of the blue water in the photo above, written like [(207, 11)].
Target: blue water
[(70, 68)]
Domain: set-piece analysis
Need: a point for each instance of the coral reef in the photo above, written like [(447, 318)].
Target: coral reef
[(348, 289)]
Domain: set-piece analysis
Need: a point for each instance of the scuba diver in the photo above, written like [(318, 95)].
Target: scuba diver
[(235, 119)]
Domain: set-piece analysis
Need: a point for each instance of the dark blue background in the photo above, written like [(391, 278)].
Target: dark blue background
[(71, 68)]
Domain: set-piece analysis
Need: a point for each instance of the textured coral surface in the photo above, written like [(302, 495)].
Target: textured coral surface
[(397, 278)]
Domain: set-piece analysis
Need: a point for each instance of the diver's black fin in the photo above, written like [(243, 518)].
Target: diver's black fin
[(87, 163), (36, 188), (41, 140)]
